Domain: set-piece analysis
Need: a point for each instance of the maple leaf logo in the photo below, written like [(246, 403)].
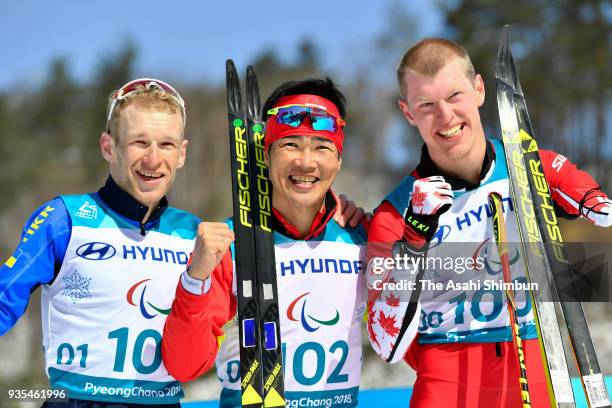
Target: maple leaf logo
[(388, 324), (418, 197), (371, 332), (392, 300)]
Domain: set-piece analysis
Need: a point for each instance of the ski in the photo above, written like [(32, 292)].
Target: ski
[(261, 193), (261, 367), (535, 262), (584, 351), (244, 247)]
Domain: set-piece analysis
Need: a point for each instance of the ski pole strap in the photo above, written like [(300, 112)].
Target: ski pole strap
[(420, 228)]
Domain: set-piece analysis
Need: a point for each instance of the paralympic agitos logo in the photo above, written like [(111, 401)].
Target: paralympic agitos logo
[(488, 261), (307, 319), (142, 304)]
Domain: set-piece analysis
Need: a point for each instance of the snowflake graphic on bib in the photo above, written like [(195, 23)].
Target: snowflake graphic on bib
[(76, 286)]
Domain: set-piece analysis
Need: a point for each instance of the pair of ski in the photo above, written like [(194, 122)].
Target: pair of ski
[(261, 367), (545, 254)]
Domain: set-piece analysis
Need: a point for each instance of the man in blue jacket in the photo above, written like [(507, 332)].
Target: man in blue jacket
[(105, 260)]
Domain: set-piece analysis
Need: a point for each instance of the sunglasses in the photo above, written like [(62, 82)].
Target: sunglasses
[(294, 115), (137, 85)]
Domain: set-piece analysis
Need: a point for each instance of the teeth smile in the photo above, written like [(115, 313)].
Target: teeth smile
[(149, 175), (303, 179), (452, 131)]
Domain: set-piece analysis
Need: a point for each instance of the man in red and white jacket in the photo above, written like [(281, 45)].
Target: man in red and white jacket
[(320, 265), (461, 350)]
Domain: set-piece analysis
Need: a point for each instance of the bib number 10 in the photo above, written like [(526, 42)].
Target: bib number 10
[(121, 335), (66, 352)]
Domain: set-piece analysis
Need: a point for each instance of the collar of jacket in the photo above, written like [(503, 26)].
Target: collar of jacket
[(281, 225), (427, 168), (128, 207)]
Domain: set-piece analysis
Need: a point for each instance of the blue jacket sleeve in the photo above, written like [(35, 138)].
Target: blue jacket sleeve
[(36, 260)]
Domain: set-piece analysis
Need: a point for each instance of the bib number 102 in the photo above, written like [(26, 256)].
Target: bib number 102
[(311, 349), (313, 353)]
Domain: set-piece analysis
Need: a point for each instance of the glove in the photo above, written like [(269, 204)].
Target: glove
[(606, 217), (597, 208), (430, 198)]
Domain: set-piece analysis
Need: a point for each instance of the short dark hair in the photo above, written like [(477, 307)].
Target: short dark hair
[(324, 88)]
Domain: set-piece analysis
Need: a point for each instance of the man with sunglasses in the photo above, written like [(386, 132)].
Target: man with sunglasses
[(463, 354), (105, 260), (320, 275)]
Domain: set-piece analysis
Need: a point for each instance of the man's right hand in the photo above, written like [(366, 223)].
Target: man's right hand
[(212, 242), (430, 198)]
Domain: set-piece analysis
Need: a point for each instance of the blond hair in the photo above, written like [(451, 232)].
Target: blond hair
[(428, 56), (151, 98)]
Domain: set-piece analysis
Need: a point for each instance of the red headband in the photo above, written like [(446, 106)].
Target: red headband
[(275, 131)]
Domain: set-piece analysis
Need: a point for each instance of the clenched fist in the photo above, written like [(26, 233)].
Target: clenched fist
[(430, 198), (212, 242)]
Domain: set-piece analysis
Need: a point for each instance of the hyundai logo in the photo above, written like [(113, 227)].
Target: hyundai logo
[(96, 251), (440, 236)]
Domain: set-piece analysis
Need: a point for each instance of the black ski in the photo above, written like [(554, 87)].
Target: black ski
[(261, 368), (535, 262), (261, 192), (244, 247), (588, 366)]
